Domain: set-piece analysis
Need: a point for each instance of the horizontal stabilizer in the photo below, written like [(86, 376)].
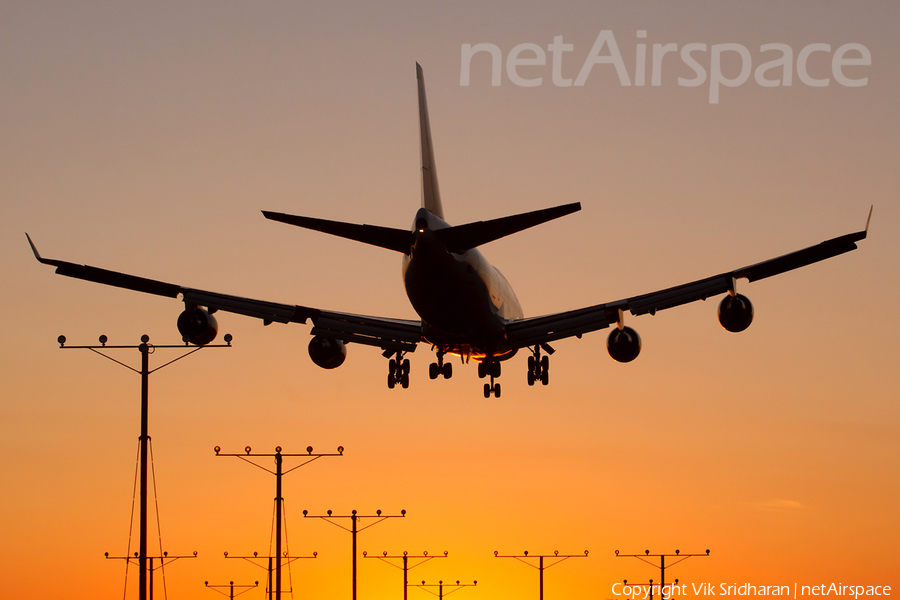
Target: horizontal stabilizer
[(463, 237), (384, 237)]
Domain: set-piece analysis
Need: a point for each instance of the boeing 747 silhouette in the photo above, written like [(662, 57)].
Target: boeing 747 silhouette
[(467, 307)]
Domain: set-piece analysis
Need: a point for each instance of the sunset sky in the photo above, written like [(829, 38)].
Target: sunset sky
[(147, 137)]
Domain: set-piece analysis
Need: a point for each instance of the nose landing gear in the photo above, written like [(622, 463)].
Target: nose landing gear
[(398, 371)]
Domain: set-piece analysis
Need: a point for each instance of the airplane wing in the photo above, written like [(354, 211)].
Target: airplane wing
[(540, 330), (388, 334)]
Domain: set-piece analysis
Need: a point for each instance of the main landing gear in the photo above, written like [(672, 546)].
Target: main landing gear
[(440, 368), (538, 366), (398, 371), (490, 367)]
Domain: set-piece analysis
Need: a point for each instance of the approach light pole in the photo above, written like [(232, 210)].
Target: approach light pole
[(279, 500), (146, 349), (556, 559), (440, 585), (231, 585), (354, 519), (661, 566), (405, 562)]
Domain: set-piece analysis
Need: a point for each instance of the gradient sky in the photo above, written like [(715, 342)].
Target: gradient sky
[(146, 138)]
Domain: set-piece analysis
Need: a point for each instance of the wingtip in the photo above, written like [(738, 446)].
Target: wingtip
[(869, 218), (34, 249), (419, 73)]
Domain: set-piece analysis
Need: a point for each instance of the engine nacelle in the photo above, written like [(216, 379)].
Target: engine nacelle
[(735, 313), (197, 326), (624, 344), (328, 353)]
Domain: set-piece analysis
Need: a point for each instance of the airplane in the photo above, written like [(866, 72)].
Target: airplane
[(467, 308)]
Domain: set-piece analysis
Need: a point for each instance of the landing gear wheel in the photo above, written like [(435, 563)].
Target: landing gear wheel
[(537, 366), (496, 390), (482, 371), (433, 370), (398, 371), (487, 390), (447, 371), (545, 377)]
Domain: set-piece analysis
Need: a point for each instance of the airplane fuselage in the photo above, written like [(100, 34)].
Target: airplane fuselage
[(463, 300)]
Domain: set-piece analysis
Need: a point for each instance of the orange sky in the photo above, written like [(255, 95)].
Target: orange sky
[(147, 140)]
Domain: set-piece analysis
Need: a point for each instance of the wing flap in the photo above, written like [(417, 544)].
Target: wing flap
[(390, 334), (678, 295), (122, 280), (267, 311), (801, 258), (536, 330)]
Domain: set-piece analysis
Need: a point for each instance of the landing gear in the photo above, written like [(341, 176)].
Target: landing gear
[(490, 368), (539, 366), (398, 371), (440, 368)]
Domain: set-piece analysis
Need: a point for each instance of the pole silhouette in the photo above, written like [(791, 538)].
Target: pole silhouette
[(145, 349)]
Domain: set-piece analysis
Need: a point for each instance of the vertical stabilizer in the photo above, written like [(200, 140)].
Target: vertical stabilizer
[(431, 195)]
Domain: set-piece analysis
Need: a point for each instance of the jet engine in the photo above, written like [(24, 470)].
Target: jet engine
[(735, 313), (624, 344), (197, 326), (328, 353)]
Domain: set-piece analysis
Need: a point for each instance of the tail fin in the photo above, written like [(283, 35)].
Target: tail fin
[(431, 195)]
